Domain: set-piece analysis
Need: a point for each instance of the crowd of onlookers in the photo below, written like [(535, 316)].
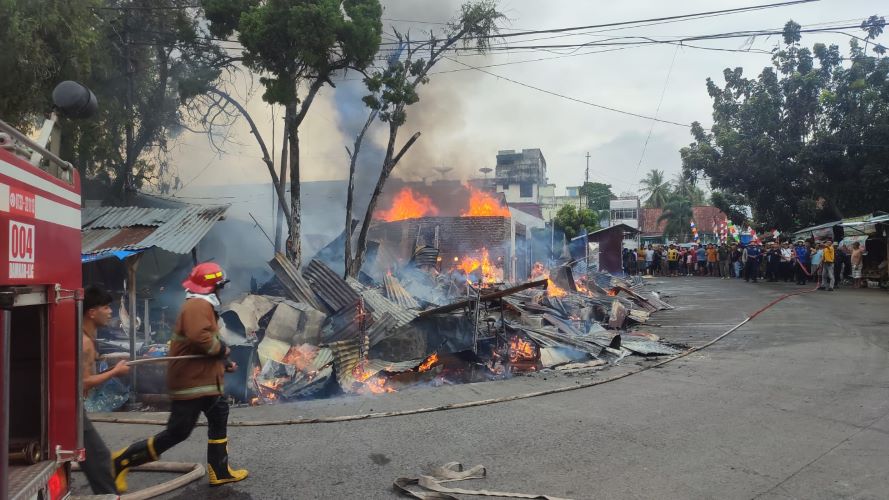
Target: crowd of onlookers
[(822, 263)]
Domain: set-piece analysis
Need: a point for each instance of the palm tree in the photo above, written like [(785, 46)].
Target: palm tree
[(655, 188), (685, 187), (677, 212)]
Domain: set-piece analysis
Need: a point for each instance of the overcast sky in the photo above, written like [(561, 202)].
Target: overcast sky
[(467, 116)]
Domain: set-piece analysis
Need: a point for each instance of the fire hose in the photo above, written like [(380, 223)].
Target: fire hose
[(190, 472), (470, 404)]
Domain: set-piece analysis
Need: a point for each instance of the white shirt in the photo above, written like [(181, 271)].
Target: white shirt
[(786, 254)]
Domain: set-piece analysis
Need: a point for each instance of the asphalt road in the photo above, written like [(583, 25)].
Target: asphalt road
[(795, 404)]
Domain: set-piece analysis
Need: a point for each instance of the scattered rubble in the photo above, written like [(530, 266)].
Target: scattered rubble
[(421, 325)]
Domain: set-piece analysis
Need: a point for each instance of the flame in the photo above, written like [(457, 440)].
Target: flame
[(490, 273), (373, 383), (521, 350), (429, 363), (613, 292), (408, 205), (484, 204), (538, 271)]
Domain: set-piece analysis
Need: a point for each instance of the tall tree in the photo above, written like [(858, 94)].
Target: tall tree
[(686, 187), (394, 88), (655, 188), (678, 214), (597, 195), (142, 58), (298, 45), (801, 141)]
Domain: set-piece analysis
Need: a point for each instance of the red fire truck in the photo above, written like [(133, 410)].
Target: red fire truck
[(40, 313)]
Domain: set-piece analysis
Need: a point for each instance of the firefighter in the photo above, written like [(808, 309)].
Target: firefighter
[(195, 385), (96, 314)]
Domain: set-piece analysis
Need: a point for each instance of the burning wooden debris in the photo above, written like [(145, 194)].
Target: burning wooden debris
[(344, 336)]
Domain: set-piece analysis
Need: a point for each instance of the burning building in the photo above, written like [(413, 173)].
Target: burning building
[(471, 229)]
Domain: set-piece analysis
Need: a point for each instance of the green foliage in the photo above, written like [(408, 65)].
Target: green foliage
[(572, 221), (598, 195), (655, 188), (678, 213), (45, 42), (804, 141), (294, 41), (686, 187), (732, 205)]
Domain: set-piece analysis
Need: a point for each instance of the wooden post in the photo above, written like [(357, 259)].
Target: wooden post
[(145, 325), (132, 264)]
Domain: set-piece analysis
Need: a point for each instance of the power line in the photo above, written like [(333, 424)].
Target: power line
[(657, 110), (654, 19), (569, 98)]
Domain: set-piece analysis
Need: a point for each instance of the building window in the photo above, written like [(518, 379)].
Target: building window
[(628, 235), (526, 189), (624, 213)]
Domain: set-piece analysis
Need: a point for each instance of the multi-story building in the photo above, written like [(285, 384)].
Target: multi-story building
[(550, 203), (520, 175), (625, 210)]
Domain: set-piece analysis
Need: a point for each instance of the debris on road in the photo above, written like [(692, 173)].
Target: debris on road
[(432, 485)]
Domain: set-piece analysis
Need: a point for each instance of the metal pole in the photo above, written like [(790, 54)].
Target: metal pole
[(78, 361), (6, 322), (132, 264), (145, 326)]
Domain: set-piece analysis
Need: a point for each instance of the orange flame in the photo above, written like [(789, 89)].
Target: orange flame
[(374, 383), (429, 363), (484, 204), (408, 205), (540, 272), (490, 273), (520, 350)]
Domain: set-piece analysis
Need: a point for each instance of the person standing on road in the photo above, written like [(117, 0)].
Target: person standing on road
[(857, 258), (96, 314), (736, 260), (195, 385), (724, 254), (773, 262), (817, 257), (701, 260), (801, 262), (673, 260), (827, 263), (649, 260), (752, 255), (786, 261), (712, 261)]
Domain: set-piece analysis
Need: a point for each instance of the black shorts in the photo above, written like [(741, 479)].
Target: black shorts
[(673, 264)]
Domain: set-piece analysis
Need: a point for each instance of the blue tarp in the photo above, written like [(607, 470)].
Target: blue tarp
[(120, 254)]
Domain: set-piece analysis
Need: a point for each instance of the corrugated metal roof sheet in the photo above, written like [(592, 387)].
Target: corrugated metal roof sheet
[(344, 325), (347, 355), (177, 230), (298, 288), (381, 328), (332, 289), (379, 305), (396, 292)]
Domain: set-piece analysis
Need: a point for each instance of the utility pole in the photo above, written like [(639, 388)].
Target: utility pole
[(587, 176)]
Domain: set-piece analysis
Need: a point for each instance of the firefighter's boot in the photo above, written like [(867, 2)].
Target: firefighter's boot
[(217, 464), (136, 454)]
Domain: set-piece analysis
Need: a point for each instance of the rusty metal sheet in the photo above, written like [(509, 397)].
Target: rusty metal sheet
[(175, 230), (345, 325), (330, 287), (297, 287), (396, 292), (382, 327)]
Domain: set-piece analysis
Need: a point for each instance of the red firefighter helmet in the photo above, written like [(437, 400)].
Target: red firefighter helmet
[(204, 278)]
